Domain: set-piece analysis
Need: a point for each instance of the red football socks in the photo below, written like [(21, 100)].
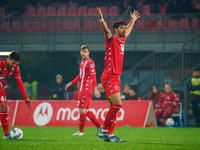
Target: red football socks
[(5, 122), (112, 127), (93, 118), (82, 122), (111, 116)]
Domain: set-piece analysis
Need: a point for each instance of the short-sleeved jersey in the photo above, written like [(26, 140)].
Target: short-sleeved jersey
[(5, 71), (87, 68), (114, 55)]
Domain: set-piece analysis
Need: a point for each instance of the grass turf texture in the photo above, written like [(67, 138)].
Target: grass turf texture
[(60, 138)]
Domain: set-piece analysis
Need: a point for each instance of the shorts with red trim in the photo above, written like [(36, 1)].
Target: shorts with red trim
[(111, 83), (84, 98), (2, 94)]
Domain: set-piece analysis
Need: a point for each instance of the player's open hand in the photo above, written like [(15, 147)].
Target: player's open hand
[(97, 93), (135, 15), (28, 102), (99, 13), (67, 86)]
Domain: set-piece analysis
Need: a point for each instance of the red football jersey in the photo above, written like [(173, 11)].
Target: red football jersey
[(114, 55), (87, 75), (169, 100), (5, 72)]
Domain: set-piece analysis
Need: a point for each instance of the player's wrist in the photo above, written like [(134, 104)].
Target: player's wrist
[(101, 20)]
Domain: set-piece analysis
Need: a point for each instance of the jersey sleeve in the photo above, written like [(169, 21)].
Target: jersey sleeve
[(176, 100), (20, 84), (93, 73), (76, 79)]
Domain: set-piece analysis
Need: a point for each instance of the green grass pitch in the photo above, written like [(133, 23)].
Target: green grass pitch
[(60, 138)]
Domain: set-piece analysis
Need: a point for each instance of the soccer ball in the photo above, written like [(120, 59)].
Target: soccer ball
[(16, 133), (169, 122)]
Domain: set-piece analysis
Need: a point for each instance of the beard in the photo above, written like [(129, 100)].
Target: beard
[(123, 34)]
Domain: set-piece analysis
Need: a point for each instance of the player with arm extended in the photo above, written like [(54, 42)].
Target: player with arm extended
[(10, 66), (114, 45), (87, 80)]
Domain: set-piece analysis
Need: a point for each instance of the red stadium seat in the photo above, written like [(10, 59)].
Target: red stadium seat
[(51, 11), (67, 25), (26, 26), (163, 9), (76, 25), (141, 24), (194, 24), (110, 24), (41, 12), (140, 1), (184, 24), (16, 26), (97, 26), (87, 25), (82, 11), (152, 24), (197, 6), (36, 26), (61, 11), (5, 26), (31, 12), (92, 11), (50, 26), (58, 25), (114, 10), (43, 26), (173, 24), (146, 9), (2, 12), (72, 11), (160, 24), (104, 10)]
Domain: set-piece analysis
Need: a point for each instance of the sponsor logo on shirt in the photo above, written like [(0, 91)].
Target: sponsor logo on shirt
[(91, 65)]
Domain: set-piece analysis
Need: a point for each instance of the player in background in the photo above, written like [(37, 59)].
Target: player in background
[(10, 66), (87, 80), (110, 79)]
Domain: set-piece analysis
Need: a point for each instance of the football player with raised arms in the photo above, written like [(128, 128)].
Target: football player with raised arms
[(113, 62), (87, 81), (10, 66)]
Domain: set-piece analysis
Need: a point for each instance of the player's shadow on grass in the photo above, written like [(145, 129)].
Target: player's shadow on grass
[(159, 143), (29, 140)]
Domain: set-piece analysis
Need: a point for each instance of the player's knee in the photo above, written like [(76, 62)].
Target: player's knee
[(83, 110)]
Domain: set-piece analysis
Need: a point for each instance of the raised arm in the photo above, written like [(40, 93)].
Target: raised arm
[(134, 16), (107, 32)]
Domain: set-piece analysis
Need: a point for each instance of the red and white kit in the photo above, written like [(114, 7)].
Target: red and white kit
[(5, 72), (114, 56), (168, 104), (87, 80)]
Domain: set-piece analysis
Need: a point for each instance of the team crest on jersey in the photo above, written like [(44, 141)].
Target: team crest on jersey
[(122, 47), (91, 65), (92, 70)]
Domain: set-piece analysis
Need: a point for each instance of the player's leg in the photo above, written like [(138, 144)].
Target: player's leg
[(158, 114), (82, 121), (166, 114), (110, 120), (90, 114), (4, 117), (82, 113)]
